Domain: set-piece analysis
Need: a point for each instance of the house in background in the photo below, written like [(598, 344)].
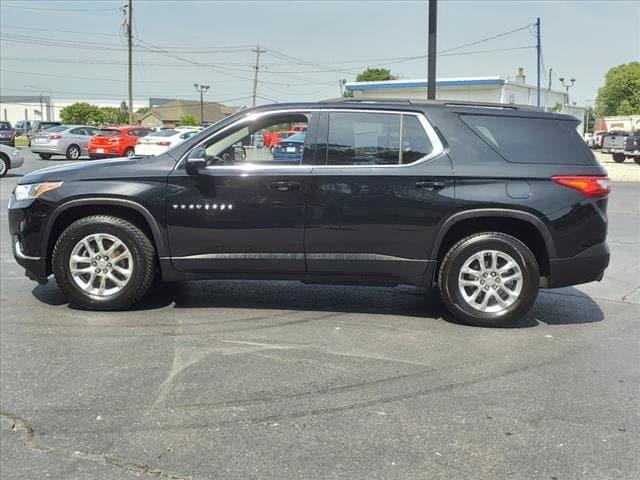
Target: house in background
[(166, 113)]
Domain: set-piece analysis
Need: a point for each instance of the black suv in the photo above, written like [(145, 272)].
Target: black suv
[(462, 196)]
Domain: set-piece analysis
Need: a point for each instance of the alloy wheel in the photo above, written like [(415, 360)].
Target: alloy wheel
[(490, 281), (101, 264)]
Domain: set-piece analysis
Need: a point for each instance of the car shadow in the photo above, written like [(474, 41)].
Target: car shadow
[(566, 308), (12, 175)]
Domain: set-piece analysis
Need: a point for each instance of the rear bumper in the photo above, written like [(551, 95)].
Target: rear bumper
[(51, 149), (588, 266)]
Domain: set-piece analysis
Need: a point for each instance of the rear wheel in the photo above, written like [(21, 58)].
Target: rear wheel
[(45, 156), (489, 279), (637, 160), (73, 152), (618, 157), (103, 263)]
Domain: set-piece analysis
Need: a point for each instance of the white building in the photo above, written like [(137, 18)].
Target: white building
[(472, 89), (36, 107)]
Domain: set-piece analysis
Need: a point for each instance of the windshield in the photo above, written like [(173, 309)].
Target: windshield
[(5, 126), (298, 137), (56, 129), (164, 133), (108, 132)]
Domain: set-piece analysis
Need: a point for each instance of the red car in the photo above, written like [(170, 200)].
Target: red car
[(116, 141)]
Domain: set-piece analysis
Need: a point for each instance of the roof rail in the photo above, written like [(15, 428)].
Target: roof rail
[(482, 105), (366, 100)]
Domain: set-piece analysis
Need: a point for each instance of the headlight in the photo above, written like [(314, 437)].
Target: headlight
[(15, 153), (34, 190)]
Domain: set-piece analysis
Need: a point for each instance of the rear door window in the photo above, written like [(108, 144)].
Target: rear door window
[(531, 140), (363, 139)]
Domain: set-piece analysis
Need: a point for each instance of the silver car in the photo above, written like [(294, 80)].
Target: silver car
[(68, 140), (9, 158)]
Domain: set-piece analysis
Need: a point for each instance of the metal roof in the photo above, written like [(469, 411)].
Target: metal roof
[(422, 83)]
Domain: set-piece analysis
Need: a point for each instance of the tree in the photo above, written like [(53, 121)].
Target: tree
[(113, 116), (620, 94), (142, 111), (189, 121), (375, 75), (80, 113)]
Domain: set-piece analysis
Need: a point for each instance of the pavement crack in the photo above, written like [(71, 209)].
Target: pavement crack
[(624, 297), (24, 428)]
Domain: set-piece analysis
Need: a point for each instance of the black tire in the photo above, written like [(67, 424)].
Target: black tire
[(143, 256), (5, 164), (619, 157), (45, 156), (129, 152), (637, 160), (73, 152), (456, 257)]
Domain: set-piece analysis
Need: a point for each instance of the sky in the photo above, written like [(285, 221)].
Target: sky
[(77, 49)]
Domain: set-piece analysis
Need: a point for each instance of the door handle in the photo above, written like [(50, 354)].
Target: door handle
[(285, 186), (431, 186)]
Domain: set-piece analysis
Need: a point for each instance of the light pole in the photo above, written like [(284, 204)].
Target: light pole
[(201, 89), (567, 86)]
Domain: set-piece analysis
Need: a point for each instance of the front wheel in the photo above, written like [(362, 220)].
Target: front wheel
[(129, 152), (103, 263), (45, 156), (4, 166), (489, 279), (618, 157)]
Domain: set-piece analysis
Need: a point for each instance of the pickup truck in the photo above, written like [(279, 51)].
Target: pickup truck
[(632, 146), (613, 142)]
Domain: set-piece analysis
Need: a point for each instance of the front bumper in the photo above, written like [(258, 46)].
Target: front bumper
[(588, 266), (27, 222)]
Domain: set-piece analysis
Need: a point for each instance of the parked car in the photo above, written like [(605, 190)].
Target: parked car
[(38, 126), (72, 141), (632, 146), (10, 157), (116, 141), (290, 149), (613, 142), (596, 139), (22, 127), (159, 142), (455, 195), (7, 134)]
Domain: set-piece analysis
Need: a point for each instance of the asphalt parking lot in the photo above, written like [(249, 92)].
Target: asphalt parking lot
[(241, 380)]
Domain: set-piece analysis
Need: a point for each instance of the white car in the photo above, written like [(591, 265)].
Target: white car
[(161, 141), (9, 158)]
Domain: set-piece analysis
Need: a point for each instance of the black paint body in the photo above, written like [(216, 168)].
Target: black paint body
[(365, 225)]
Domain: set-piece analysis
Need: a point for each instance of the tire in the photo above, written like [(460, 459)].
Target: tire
[(45, 156), (494, 314), (4, 165), (618, 157), (73, 152), (141, 265), (637, 160), (129, 152)]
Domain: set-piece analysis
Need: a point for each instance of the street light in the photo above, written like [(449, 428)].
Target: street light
[(567, 86), (201, 89)]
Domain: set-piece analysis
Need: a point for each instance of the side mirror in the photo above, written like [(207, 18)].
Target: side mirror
[(196, 160)]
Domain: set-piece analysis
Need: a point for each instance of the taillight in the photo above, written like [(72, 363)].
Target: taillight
[(55, 136), (164, 144), (589, 186)]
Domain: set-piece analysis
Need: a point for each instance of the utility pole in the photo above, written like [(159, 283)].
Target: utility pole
[(550, 72), (539, 57), (201, 89), (255, 75), (431, 49), (130, 41)]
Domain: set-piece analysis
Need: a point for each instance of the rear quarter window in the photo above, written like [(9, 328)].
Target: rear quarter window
[(531, 140)]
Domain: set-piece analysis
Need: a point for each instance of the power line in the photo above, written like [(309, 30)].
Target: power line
[(58, 10)]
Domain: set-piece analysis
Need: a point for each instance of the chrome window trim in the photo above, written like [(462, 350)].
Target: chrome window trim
[(438, 147)]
